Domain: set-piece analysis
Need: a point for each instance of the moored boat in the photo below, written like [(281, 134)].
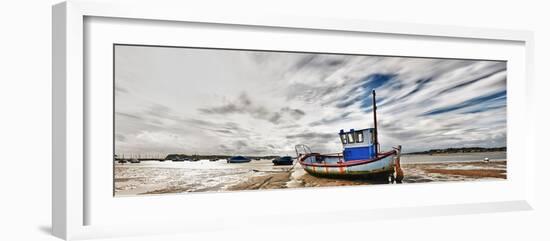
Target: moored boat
[(285, 160), (360, 158), (173, 157), (238, 159)]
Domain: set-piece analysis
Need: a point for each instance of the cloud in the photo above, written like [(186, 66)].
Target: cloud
[(244, 105), (120, 137), (310, 135), (132, 116), (331, 120), (120, 90), (469, 82), (251, 102)]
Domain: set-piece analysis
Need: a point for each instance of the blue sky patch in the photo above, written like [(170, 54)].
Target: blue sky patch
[(468, 103)]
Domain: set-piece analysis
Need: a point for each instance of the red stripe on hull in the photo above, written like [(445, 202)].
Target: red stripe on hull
[(343, 164)]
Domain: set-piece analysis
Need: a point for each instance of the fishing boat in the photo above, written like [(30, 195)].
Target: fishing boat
[(285, 160), (238, 159), (361, 156)]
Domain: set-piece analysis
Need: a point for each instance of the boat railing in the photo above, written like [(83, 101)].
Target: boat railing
[(333, 154), (302, 149)]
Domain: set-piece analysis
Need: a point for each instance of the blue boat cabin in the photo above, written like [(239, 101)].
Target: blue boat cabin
[(358, 144)]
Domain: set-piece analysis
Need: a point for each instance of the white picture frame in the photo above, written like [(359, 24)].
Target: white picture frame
[(73, 194)]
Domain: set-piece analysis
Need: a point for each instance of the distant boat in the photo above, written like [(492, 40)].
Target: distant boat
[(133, 160), (172, 157), (214, 160), (180, 159), (238, 159), (360, 158), (285, 160), (122, 161)]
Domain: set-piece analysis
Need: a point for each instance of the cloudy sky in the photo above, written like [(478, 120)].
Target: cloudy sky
[(201, 101)]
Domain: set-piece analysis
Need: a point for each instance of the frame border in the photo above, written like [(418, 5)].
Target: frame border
[(68, 105)]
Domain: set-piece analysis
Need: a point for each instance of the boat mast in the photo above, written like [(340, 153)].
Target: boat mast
[(375, 122)]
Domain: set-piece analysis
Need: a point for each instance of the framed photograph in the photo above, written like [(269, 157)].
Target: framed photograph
[(178, 121)]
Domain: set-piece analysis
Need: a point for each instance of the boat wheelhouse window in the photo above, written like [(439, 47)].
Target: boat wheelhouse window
[(367, 138), (359, 137), (343, 139), (351, 139)]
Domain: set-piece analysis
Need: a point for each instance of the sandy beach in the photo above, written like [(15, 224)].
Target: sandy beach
[(205, 176)]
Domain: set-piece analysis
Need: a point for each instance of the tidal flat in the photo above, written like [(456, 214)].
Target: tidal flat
[(166, 177)]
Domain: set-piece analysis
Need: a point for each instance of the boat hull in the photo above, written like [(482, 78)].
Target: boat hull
[(286, 161), (238, 161), (334, 166), (282, 163)]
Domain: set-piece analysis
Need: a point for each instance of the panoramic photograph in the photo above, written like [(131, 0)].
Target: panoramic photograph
[(192, 120)]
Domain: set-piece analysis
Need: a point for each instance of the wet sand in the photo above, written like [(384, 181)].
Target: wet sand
[(454, 171), (135, 179), (418, 173)]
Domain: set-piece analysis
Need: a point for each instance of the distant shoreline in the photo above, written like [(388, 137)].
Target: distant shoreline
[(461, 150), (458, 150)]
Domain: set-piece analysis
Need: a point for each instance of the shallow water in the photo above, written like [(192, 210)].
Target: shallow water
[(203, 175)]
